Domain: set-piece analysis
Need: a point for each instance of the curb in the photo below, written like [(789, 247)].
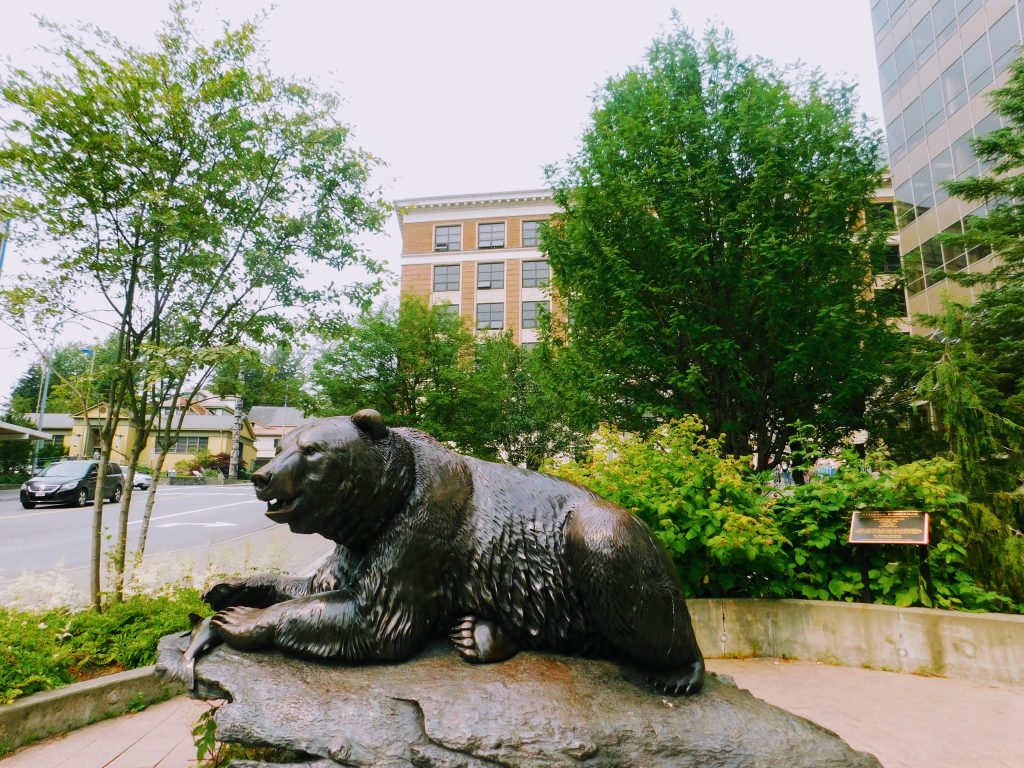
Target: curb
[(64, 709)]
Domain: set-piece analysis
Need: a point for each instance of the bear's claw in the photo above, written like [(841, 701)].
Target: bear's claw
[(462, 638), (680, 682)]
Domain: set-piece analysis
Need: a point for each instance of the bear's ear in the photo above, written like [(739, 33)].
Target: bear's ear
[(371, 423)]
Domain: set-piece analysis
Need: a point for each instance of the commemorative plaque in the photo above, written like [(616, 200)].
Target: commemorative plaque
[(901, 526)]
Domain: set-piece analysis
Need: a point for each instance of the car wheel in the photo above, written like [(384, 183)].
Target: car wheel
[(144, 487), (82, 498), (116, 497), (28, 504)]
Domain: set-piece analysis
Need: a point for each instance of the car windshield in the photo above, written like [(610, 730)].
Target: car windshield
[(66, 469)]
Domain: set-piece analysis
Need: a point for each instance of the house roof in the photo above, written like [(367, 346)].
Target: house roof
[(193, 422), (52, 420), (277, 415), (7, 430)]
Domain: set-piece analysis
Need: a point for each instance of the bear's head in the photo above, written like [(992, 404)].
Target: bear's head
[(340, 477)]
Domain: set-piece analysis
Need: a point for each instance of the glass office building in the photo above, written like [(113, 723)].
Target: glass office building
[(937, 62)]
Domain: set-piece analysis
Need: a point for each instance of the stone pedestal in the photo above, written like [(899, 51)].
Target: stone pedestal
[(536, 710)]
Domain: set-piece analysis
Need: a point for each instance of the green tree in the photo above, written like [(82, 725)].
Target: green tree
[(278, 376), (409, 362), (713, 249), (515, 408), (190, 189), (995, 323), (987, 447)]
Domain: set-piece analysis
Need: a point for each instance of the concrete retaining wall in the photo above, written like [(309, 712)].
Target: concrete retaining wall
[(49, 712), (973, 646)]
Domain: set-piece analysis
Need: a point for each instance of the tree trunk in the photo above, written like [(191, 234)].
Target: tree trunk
[(97, 523), (121, 556), (140, 548)]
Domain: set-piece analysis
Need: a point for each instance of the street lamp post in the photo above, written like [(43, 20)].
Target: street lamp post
[(42, 404)]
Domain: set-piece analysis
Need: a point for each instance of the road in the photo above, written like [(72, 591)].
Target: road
[(194, 532)]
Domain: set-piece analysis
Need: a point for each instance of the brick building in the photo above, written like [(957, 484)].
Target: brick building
[(478, 254)]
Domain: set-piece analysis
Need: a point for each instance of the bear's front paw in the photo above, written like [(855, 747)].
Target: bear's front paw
[(481, 641), (227, 593), (246, 628), (683, 681)]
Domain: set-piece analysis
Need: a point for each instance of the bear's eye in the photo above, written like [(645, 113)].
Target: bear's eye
[(310, 450)]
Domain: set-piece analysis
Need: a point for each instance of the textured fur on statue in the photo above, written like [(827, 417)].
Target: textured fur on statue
[(429, 541)]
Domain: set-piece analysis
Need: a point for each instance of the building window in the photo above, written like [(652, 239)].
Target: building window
[(954, 86), (490, 316), (890, 302), (448, 238), (913, 123), (532, 311), (490, 275), (529, 346), (942, 171), (491, 235), (531, 233), (1004, 37), (924, 192), (57, 440), (924, 40), (446, 278), (190, 444), (447, 308), (536, 274), (964, 161), (892, 264), (943, 21), (978, 66)]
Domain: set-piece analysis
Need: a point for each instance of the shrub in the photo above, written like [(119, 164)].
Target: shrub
[(816, 518), (709, 516), (728, 539), (44, 650)]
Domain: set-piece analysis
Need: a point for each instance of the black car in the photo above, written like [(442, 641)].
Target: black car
[(71, 482)]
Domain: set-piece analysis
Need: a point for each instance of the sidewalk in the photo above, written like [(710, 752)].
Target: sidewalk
[(904, 720)]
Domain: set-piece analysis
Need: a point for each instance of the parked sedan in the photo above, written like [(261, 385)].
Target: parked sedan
[(71, 482), (142, 480)]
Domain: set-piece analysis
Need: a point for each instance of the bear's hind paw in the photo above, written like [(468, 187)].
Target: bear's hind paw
[(480, 641), (684, 681)]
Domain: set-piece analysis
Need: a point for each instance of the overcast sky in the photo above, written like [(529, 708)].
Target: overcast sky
[(468, 96)]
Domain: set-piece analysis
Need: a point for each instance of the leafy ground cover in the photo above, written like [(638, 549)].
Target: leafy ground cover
[(47, 649)]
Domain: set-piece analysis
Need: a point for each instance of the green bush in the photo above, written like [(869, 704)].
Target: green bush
[(41, 651), (823, 565), (14, 456), (728, 538), (703, 508)]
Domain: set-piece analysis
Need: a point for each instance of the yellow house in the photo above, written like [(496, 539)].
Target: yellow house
[(202, 430)]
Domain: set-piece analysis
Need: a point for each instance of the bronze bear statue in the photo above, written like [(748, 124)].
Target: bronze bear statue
[(427, 538)]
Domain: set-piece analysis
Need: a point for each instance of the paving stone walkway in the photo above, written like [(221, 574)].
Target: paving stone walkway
[(904, 720)]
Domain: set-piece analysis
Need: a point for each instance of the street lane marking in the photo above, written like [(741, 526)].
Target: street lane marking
[(54, 510), (218, 524), (51, 511), (195, 511)]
